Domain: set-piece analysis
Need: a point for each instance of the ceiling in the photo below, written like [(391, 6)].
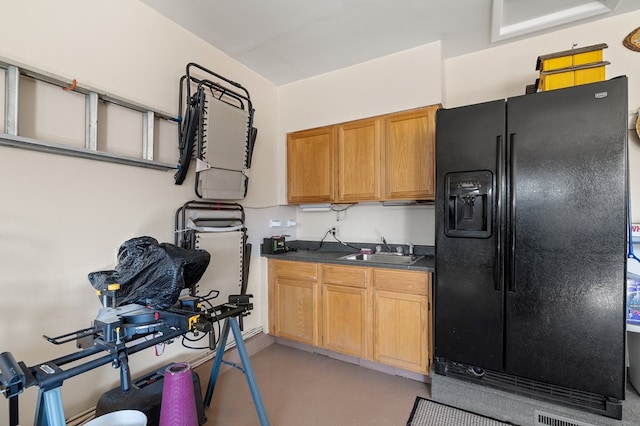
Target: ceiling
[(289, 40)]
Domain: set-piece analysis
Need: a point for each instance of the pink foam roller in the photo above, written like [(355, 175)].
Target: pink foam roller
[(178, 400)]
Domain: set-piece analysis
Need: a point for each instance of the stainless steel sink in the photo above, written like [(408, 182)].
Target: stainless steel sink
[(392, 258)]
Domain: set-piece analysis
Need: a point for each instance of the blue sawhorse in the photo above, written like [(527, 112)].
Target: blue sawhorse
[(49, 411), (232, 322)]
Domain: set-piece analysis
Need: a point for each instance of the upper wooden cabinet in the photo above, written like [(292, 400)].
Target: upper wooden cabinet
[(311, 165), (410, 155), (359, 160), (388, 157)]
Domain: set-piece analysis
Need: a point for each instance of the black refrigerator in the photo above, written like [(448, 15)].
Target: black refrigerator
[(530, 246)]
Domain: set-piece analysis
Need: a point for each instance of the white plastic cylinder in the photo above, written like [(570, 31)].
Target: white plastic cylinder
[(120, 418)]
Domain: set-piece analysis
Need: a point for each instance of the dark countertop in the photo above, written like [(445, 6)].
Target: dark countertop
[(330, 252)]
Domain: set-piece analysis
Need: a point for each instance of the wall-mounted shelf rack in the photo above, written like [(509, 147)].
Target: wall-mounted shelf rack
[(12, 138)]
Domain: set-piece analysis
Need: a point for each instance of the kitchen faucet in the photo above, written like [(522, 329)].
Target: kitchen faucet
[(387, 247)]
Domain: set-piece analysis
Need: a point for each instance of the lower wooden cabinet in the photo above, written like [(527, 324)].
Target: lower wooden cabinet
[(294, 301), (346, 310), (377, 314), (402, 326)]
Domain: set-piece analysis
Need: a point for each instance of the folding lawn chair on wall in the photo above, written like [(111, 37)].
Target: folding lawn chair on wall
[(219, 228), (217, 128)]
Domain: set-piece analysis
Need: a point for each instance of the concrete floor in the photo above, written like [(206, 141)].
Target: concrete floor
[(302, 387), (305, 388)]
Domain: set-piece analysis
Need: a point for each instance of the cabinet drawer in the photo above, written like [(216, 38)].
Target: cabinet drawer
[(345, 275), (307, 271), (402, 281)]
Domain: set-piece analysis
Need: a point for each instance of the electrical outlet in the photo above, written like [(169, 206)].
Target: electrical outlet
[(275, 223)]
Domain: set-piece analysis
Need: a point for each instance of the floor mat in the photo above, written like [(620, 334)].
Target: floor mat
[(430, 413)]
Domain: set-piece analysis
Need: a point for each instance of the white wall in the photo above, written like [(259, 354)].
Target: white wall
[(505, 70), (369, 222), (61, 217), (404, 80)]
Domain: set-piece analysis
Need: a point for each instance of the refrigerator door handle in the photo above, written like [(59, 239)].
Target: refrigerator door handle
[(499, 270), (511, 219)]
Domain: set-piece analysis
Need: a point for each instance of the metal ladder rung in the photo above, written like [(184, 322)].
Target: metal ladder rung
[(91, 121), (148, 135), (12, 85)]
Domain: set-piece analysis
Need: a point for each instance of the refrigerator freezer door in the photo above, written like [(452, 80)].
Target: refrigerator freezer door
[(565, 304), (468, 291)]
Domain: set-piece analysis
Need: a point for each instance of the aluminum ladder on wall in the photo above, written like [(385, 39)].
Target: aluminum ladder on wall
[(12, 138)]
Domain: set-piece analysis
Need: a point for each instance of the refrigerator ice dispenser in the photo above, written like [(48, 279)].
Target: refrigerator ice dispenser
[(469, 205)]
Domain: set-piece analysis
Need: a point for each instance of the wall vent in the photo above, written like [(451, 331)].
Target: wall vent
[(540, 418)]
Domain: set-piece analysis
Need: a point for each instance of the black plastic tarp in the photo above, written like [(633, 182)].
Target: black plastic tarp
[(151, 273)]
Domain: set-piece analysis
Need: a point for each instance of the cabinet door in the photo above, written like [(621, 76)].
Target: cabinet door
[(400, 328), (359, 171), (347, 310), (311, 165), (344, 313), (296, 310), (293, 301), (402, 319), (410, 155)]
